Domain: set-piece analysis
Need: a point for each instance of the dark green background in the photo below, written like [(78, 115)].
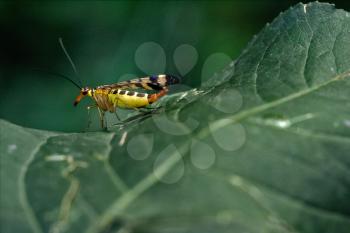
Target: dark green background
[(102, 38)]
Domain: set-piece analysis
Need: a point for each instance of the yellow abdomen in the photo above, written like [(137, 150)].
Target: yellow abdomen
[(128, 99)]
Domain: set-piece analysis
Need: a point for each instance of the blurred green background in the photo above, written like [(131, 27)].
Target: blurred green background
[(102, 38)]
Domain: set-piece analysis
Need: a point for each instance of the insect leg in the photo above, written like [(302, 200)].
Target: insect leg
[(115, 110), (102, 117), (140, 110), (139, 117), (116, 114), (149, 107)]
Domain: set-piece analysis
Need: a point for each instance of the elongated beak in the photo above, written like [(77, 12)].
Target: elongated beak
[(78, 99)]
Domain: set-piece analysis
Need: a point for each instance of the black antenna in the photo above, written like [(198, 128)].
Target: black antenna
[(70, 61), (59, 75)]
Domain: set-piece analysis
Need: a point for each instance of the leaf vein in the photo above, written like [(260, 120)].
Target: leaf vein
[(113, 175), (307, 55), (23, 193)]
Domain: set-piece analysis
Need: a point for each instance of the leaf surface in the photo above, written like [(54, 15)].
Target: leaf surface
[(277, 163)]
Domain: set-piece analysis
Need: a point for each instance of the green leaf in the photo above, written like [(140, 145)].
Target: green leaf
[(263, 147)]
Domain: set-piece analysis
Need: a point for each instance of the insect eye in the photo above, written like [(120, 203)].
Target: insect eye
[(84, 92)]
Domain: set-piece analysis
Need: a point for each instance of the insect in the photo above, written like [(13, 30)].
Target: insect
[(107, 98)]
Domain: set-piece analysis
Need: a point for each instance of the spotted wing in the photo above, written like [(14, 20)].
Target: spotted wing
[(155, 82)]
